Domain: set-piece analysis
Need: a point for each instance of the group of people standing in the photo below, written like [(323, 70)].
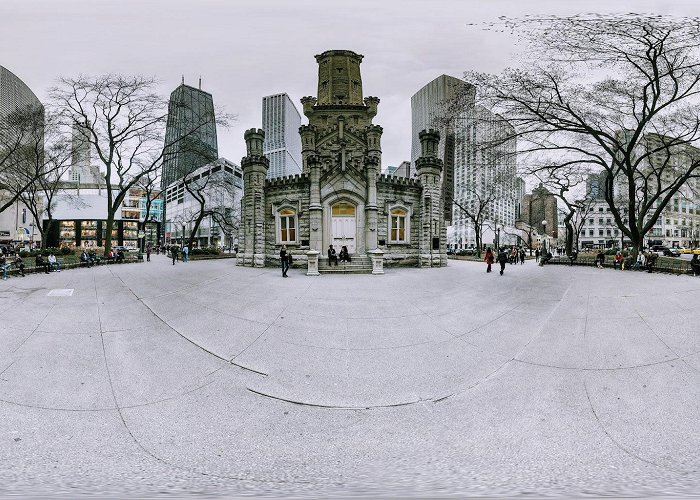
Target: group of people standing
[(504, 257), (175, 253)]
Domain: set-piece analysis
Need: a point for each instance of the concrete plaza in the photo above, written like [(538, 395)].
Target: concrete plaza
[(207, 378)]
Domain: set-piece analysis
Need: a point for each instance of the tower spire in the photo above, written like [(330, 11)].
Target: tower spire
[(183, 79)]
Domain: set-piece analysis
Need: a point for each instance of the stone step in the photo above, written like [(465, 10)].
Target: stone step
[(355, 270)]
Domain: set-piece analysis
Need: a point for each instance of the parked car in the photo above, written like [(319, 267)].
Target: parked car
[(123, 249), (665, 251)]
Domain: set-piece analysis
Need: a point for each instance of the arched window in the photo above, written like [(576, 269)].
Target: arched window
[(287, 226), (398, 225)]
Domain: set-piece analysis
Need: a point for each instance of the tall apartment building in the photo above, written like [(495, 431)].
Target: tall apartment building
[(82, 171), (434, 107), (484, 174), (539, 206), (16, 223), (190, 134), (15, 94), (282, 145)]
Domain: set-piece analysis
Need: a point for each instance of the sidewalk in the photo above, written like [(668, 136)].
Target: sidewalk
[(209, 378)]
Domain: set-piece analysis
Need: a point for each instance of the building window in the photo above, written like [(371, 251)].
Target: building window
[(287, 225), (398, 225)]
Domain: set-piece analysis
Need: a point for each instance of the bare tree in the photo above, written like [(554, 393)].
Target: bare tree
[(149, 185), (21, 131), (566, 183), (45, 159), (124, 121), (213, 193), (484, 155), (618, 93)]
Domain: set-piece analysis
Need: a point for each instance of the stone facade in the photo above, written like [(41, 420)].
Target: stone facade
[(340, 198)]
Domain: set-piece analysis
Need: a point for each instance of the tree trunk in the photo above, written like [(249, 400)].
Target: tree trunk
[(108, 236), (197, 222)]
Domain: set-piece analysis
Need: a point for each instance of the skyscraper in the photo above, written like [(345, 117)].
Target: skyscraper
[(14, 94), (484, 172), (81, 171), (190, 134), (434, 107), (282, 146)]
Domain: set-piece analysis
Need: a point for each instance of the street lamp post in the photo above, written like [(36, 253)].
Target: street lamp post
[(498, 238), (544, 236)]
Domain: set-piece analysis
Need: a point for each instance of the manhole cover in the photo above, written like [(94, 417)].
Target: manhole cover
[(60, 292)]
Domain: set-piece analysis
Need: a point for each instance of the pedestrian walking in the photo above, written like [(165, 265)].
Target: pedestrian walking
[(173, 253), (537, 255), (489, 259), (502, 259), (185, 253), (284, 261), (522, 256), (148, 253)]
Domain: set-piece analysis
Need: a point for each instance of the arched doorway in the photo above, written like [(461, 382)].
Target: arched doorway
[(344, 226)]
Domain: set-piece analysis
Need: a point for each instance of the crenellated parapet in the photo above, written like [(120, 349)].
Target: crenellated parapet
[(289, 180), (398, 181)]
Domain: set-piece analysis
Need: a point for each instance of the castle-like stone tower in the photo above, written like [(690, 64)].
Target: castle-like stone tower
[(341, 198), (254, 165), (433, 232)]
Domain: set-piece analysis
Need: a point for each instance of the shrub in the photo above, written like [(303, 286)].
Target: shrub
[(66, 251), (24, 253)]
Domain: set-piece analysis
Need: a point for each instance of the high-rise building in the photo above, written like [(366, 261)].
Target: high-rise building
[(190, 134), (282, 146), (82, 171), (484, 174), (15, 94), (540, 211), (434, 107)]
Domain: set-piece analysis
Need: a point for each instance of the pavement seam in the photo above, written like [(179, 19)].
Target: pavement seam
[(620, 446), (162, 320)]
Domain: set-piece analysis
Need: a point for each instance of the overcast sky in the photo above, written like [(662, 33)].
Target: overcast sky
[(245, 50)]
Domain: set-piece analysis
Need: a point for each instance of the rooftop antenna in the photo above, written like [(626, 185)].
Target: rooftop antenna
[(200, 82), (183, 79)]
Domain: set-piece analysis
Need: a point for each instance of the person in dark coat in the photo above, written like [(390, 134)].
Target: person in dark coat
[(284, 260), (332, 256), (695, 264), (522, 256), (173, 252), (502, 260), (537, 255), (289, 261), (19, 264), (39, 263)]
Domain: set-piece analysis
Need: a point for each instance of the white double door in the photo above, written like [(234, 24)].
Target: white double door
[(344, 233)]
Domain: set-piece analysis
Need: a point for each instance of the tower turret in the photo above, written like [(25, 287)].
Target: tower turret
[(432, 240), (254, 166), (339, 80)]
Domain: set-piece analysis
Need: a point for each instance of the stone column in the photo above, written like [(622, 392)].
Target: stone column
[(254, 166), (312, 262), (315, 208), (371, 216), (372, 163), (377, 261)]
